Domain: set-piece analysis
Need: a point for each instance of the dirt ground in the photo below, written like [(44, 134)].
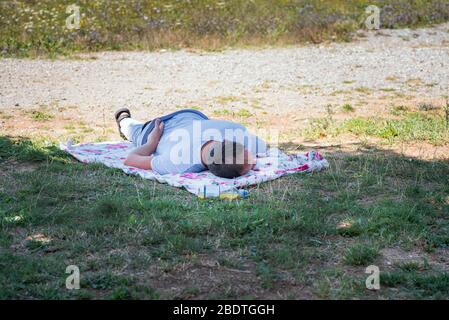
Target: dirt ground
[(280, 88)]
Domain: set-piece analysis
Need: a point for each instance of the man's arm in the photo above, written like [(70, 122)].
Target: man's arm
[(141, 157)]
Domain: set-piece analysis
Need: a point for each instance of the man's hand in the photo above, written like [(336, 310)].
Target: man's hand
[(156, 133), (141, 157)]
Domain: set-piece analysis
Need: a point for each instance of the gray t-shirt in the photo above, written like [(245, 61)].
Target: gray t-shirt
[(179, 150)]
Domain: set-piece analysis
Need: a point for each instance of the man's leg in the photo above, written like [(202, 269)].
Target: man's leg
[(131, 129), (128, 128)]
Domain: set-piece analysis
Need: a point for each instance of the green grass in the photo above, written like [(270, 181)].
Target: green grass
[(363, 90), (411, 126), (421, 285), (347, 108), (399, 110), (244, 113), (222, 112), (136, 239), (361, 255), (26, 150), (41, 116), (38, 27)]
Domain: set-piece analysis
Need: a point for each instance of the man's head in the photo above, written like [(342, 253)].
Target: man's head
[(228, 159)]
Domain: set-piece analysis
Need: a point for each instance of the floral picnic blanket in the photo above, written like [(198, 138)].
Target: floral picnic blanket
[(276, 164)]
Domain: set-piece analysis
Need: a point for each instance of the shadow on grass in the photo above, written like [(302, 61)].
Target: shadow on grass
[(23, 149), (316, 232)]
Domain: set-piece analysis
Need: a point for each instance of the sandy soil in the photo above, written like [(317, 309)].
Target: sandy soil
[(413, 62), (283, 86)]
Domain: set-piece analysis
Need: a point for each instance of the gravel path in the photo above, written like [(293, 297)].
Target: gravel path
[(378, 67)]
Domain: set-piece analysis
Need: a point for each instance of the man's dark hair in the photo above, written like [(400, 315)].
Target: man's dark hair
[(227, 159)]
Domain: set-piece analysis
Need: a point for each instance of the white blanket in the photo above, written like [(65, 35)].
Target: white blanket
[(275, 165)]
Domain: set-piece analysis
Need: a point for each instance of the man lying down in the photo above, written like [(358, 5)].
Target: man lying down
[(188, 141)]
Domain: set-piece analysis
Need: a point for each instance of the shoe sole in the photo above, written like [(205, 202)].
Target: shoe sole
[(118, 117)]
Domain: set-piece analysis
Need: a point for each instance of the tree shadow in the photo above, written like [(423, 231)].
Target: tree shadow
[(25, 150), (379, 194), (356, 157), (360, 148)]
